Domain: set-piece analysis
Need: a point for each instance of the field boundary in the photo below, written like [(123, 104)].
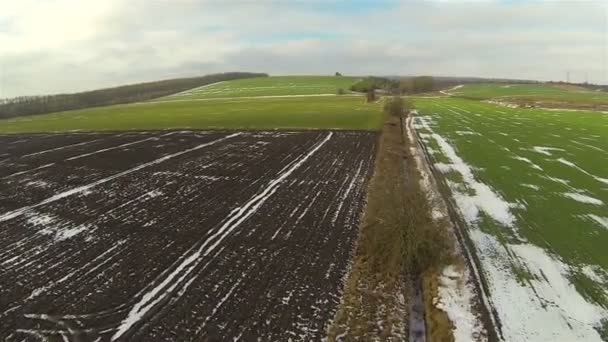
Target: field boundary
[(490, 319), (375, 300)]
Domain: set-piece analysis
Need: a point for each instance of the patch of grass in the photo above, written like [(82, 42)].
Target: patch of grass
[(336, 112), (603, 330), (593, 291)]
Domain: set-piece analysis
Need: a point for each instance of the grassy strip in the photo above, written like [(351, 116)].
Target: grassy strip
[(398, 240), (332, 112)]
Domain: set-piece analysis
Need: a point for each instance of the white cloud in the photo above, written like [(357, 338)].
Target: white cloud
[(70, 45)]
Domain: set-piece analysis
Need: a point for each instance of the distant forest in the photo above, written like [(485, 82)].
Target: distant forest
[(31, 105)]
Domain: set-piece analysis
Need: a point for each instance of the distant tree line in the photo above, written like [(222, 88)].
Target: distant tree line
[(31, 105), (374, 83), (398, 86)]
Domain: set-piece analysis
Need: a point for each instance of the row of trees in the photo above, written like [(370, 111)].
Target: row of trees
[(406, 85), (398, 107), (375, 83), (31, 105)]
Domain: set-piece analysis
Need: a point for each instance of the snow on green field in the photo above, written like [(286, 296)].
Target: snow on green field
[(539, 91), (533, 187), (271, 86)]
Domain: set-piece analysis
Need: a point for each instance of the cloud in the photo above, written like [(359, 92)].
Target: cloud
[(49, 46)]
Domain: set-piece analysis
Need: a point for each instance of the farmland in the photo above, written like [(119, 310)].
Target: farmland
[(261, 113), (202, 235), (234, 111), (532, 187), (270, 86), (233, 211), (545, 95)]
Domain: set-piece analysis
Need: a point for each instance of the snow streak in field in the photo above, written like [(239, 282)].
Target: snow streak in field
[(179, 277), (583, 198), (571, 164), (534, 166), (545, 150), (26, 171), (602, 221), (545, 306), (18, 212), (60, 148), (111, 148)]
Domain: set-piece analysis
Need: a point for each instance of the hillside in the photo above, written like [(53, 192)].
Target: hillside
[(283, 102), (31, 105)]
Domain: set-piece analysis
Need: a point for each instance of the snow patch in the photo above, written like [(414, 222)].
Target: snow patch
[(531, 186), (595, 273), (70, 232), (37, 184), (55, 227), (443, 168), (601, 220), (467, 133), (456, 298), (547, 299), (583, 198), (484, 198), (571, 164), (545, 150), (534, 166), (558, 180)]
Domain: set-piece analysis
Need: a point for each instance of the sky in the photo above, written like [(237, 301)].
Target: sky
[(55, 46)]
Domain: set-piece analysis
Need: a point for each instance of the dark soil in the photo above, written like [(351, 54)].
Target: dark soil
[(228, 237)]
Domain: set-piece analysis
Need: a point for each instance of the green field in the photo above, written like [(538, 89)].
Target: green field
[(236, 112), (271, 86), (536, 92), (533, 187)]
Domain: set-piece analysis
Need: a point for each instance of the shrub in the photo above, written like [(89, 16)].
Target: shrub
[(371, 95)]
